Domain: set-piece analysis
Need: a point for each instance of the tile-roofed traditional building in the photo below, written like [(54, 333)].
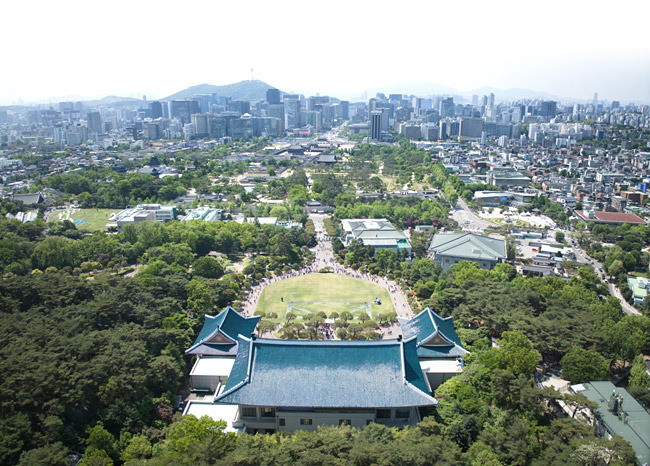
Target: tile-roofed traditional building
[(218, 337), (291, 384), (609, 218), (438, 347), (216, 347), (451, 248), (28, 199), (378, 233)]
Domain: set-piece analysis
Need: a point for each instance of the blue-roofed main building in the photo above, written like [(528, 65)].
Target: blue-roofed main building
[(438, 347), (216, 347), (287, 385)]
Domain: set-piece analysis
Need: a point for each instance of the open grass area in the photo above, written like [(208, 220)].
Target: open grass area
[(323, 287), (85, 219)]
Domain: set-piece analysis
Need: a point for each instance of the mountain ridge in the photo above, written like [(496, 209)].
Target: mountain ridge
[(243, 90)]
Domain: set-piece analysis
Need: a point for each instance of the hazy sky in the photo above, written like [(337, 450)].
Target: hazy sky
[(51, 50)]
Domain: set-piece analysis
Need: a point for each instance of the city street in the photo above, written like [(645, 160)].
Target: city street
[(582, 257), (467, 219)]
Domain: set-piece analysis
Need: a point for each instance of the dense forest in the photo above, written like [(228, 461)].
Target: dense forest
[(93, 361), (94, 326)]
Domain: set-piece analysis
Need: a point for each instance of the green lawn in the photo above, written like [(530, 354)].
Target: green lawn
[(96, 218), (323, 287)]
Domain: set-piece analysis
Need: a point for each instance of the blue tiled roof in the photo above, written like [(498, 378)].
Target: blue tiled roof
[(228, 322), (431, 352), (213, 349), (427, 325), (327, 374)]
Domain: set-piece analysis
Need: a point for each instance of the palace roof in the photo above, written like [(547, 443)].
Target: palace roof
[(327, 374), (435, 336), (219, 333)]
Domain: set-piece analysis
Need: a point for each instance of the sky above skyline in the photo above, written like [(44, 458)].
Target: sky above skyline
[(53, 50)]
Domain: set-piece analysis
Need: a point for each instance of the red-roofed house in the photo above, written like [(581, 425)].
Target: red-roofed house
[(609, 218)]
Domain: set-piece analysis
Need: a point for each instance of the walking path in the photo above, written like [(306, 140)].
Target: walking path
[(324, 257)]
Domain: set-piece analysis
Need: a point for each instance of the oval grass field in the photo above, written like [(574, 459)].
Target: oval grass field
[(323, 287)]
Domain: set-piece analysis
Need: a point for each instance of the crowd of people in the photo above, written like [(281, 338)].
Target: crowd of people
[(324, 257)]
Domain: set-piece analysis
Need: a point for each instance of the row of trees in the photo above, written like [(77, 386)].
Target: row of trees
[(25, 247)]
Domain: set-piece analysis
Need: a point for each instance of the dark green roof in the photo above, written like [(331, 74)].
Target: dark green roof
[(635, 429), (327, 374), (468, 245), (229, 323), (428, 325)]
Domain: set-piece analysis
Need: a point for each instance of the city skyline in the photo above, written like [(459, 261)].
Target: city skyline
[(567, 49)]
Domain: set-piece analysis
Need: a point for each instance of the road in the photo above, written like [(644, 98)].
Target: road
[(467, 219), (582, 257)]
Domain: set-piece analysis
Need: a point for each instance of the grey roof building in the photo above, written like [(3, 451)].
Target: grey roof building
[(28, 199), (378, 233), (618, 413), (450, 248)]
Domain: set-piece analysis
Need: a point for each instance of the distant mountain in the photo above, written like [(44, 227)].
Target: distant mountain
[(244, 90), (111, 99)]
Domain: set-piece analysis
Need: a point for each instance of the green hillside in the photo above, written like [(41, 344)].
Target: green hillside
[(244, 90)]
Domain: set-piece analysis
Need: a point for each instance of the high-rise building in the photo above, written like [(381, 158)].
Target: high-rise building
[(94, 122), (316, 102), (344, 106), (239, 106), (200, 122), (447, 107), (471, 127), (549, 108), (291, 113), (183, 109), (314, 119), (273, 96), (155, 109), (276, 111), (154, 130), (475, 100), (375, 125), (491, 100)]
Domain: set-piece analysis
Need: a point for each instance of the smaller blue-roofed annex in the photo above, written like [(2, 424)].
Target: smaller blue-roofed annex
[(216, 348), (218, 336), (438, 347)]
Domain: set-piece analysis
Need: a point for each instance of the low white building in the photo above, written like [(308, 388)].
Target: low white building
[(143, 213)]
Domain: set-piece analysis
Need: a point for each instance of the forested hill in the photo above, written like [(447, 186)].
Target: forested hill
[(243, 90)]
